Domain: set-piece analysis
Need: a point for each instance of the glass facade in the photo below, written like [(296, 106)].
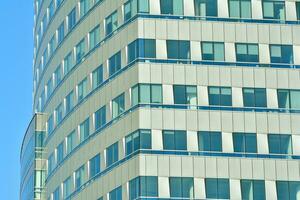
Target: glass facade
[(205, 8), (274, 9), (220, 96), (217, 188), (213, 51), (185, 94), (209, 141), (143, 186), (255, 97), (174, 140), (146, 93), (140, 139), (240, 8)]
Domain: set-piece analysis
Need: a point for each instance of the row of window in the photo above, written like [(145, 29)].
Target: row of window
[(184, 188), (182, 95), (208, 141), (272, 9), (141, 6), (146, 48)]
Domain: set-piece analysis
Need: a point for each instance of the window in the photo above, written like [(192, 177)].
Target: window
[(45, 58), (84, 7), (254, 97), (56, 194), (244, 142), (171, 7), (146, 93), (143, 186), (80, 177), (298, 10), (280, 144), (69, 102), (289, 99), (71, 142), (274, 9), (44, 23), (67, 187), (141, 48), (132, 7), (100, 118), (61, 33), (84, 130), (68, 63), (178, 49), (281, 54), (209, 141), (217, 188), (220, 96), (59, 114), (82, 89), (112, 154), (52, 44), (94, 165), (94, 37), (58, 2), (140, 139), (51, 10), (253, 189), (60, 152), (213, 51), (72, 19), (185, 94), (116, 194), (97, 76), (51, 163), (118, 105), (80, 50), (114, 63), (57, 76), (50, 125), (111, 23), (181, 187), (240, 8), (287, 190), (247, 53), (174, 140), (49, 87), (206, 8)]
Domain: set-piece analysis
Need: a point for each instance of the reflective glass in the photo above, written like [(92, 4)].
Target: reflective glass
[(217, 188)]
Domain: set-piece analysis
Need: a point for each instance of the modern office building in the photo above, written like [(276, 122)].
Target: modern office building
[(164, 99)]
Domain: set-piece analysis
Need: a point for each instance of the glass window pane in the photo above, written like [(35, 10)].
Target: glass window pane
[(179, 94), (260, 98), (172, 49), (191, 95), (250, 143), (166, 7), (282, 188), (216, 141), (178, 7), (145, 93), (285, 144), (175, 187), (135, 95), (143, 6), (184, 50), (145, 137), (295, 99), (223, 189), (274, 143), (294, 187), (249, 97), (234, 8), (226, 97), (259, 190), (219, 52), (247, 189), (207, 51), (149, 48), (180, 140), (204, 141), (245, 8), (238, 142), (211, 188), (187, 188), (168, 140), (214, 95), (283, 98), (156, 94)]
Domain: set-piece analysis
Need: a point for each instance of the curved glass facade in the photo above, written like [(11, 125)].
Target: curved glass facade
[(165, 99)]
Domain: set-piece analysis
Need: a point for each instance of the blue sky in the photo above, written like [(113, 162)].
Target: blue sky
[(16, 52)]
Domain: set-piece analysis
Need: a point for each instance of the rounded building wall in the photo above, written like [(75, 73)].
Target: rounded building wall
[(132, 88)]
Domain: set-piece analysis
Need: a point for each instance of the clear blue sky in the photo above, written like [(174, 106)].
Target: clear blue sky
[(16, 52)]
